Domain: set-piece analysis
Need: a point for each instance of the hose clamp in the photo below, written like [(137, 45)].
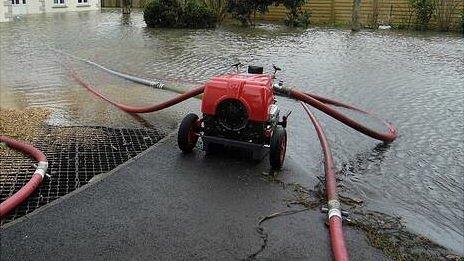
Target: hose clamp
[(41, 168), (157, 85), (334, 212), (281, 89), (334, 209)]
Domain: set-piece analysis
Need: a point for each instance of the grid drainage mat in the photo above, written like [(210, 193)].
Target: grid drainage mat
[(75, 155)]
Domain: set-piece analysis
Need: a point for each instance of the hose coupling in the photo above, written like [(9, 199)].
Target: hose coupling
[(279, 88), (334, 209), (158, 85), (41, 168)]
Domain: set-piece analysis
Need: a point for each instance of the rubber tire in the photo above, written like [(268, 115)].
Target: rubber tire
[(277, 153), (185, 128)]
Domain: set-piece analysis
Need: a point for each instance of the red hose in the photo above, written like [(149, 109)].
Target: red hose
[(19, 197), (351, 107), (152, 108), (335, 221), (334, 102), (318, 103), (337, 239)]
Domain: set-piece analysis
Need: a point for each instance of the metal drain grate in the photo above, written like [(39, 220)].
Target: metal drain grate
[(75, 155)]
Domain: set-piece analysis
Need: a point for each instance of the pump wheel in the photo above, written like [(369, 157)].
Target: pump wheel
[(187, 136), (278, 147)]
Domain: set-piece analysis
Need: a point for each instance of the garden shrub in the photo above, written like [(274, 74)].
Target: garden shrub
[(162, 13), (296, 17), (424, 10), (197, 15), (176, 14), (243, 10), (219, 8)]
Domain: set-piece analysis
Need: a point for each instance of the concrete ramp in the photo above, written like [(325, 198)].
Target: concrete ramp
[(164, 205)]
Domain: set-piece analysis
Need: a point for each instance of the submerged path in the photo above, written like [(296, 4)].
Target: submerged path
[(164, 205)]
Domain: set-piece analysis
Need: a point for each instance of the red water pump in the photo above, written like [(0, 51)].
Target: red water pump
[(239, 110)]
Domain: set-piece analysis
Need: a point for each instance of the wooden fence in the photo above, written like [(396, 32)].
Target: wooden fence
[(373, 12), (117, 3)]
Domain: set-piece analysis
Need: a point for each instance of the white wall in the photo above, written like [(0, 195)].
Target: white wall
[(7, 10), (71, 6)]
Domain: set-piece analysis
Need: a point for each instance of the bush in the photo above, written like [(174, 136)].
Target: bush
[(296, 16), (243, 10), (424, 10), (219, 8), (162, 13), (174, 14), (198, 15)]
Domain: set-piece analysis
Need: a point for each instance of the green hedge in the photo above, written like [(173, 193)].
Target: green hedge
[(176, 14)]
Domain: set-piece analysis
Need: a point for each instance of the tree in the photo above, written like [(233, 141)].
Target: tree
[(126, 6), (355, 24)]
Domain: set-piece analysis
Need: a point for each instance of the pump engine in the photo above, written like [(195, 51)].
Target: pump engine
[(239, 110)]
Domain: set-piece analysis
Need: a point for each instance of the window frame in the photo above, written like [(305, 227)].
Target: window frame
[(58, 3), (18, 2), (82, 3)]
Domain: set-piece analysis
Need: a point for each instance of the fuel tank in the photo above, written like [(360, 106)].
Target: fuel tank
[(254, 91)]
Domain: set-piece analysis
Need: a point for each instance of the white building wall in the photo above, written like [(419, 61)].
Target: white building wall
[(8, 10), (2, 12), (5, 10), (70, 5), (32, 7)]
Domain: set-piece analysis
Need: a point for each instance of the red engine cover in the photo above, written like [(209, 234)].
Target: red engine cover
[(253, 90)]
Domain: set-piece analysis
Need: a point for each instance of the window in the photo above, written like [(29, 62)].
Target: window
[(17, 2), (82, 1), (58, 2)]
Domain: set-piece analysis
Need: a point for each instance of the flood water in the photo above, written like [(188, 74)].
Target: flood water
[(414, 80)]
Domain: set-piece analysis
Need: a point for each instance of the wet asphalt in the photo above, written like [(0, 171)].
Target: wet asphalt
[(165, 205)]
